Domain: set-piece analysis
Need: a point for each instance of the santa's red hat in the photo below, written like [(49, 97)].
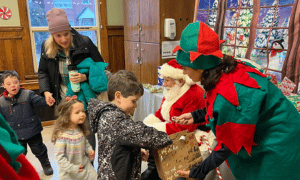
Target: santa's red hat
[(173, 70)]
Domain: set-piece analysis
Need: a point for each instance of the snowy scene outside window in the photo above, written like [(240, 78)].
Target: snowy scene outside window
[(269, 40), (207, 12)]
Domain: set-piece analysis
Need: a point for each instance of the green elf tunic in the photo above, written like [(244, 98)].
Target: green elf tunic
[(254, 120)]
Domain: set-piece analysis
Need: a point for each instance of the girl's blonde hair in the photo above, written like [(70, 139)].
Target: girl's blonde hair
[(63, 113), (51, 47)]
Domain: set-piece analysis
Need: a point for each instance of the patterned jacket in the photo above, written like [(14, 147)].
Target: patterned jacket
[(120, 140), (19, 112)]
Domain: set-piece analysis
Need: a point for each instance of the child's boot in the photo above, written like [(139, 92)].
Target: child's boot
[(46, 166)]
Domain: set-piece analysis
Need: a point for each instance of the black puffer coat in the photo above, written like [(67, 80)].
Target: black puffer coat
[(120, 140), (48, 72)]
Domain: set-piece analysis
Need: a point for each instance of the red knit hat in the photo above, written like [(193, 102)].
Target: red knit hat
[(173, 70), (57, 20)]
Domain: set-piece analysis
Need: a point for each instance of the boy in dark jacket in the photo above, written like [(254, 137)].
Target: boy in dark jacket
[(120, 139), (17, 106)]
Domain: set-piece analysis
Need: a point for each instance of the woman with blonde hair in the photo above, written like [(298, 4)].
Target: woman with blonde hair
[(65, 47)]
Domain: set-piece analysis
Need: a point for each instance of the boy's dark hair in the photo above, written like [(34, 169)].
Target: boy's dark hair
[(9, 73), (125, 82)]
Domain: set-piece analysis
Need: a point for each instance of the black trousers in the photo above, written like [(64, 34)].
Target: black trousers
[(37, 147), (92, 136)]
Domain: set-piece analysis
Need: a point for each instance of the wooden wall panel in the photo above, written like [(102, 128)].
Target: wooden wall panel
[(183, 15), (15, 48), (116, 48)]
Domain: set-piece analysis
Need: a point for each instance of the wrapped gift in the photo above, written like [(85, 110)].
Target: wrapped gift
[(295, 100), (273, 79), (287, 86), (183, 154)]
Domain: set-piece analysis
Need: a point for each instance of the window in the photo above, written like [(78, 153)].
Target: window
[(207, 12), (271, 41), (82, 15), (85, 2), (256, 30), (237, 27), (63, 4)]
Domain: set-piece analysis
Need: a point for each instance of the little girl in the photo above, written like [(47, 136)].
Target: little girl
[(73, 152)]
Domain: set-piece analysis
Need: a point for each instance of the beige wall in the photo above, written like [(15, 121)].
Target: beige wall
[(15, 18), (114, 12)]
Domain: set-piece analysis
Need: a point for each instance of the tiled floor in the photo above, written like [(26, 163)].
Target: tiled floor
[(46, 133)]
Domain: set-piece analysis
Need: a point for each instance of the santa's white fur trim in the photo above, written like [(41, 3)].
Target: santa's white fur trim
[(174, 73), (167, 104), (169, 71), (151, 119), (161, 126)]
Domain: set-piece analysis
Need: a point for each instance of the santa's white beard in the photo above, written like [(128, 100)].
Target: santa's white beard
[(173, 92)]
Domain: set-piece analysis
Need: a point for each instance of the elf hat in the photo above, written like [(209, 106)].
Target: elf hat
[(173, 70), (199, 47)]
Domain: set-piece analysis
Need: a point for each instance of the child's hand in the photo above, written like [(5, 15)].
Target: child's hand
[(91, 154), (49, 99), (183, 173), (80, 168), (145, 155)]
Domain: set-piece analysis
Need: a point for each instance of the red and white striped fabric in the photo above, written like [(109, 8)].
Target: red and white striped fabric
[(204, 138)]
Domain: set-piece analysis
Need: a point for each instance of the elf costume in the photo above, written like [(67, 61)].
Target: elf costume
[(13, 164), (256, 126)]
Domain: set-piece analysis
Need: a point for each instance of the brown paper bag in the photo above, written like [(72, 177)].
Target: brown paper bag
[(183, 154)]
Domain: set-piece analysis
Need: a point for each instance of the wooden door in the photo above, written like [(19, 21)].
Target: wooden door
[(131, 20), (132, 53), (149, 20), (149, 62)]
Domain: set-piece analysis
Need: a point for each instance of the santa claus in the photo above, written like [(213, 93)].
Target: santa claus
[(181, 95)]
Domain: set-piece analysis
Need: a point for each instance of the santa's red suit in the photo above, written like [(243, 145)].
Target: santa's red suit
[(190, 98)]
